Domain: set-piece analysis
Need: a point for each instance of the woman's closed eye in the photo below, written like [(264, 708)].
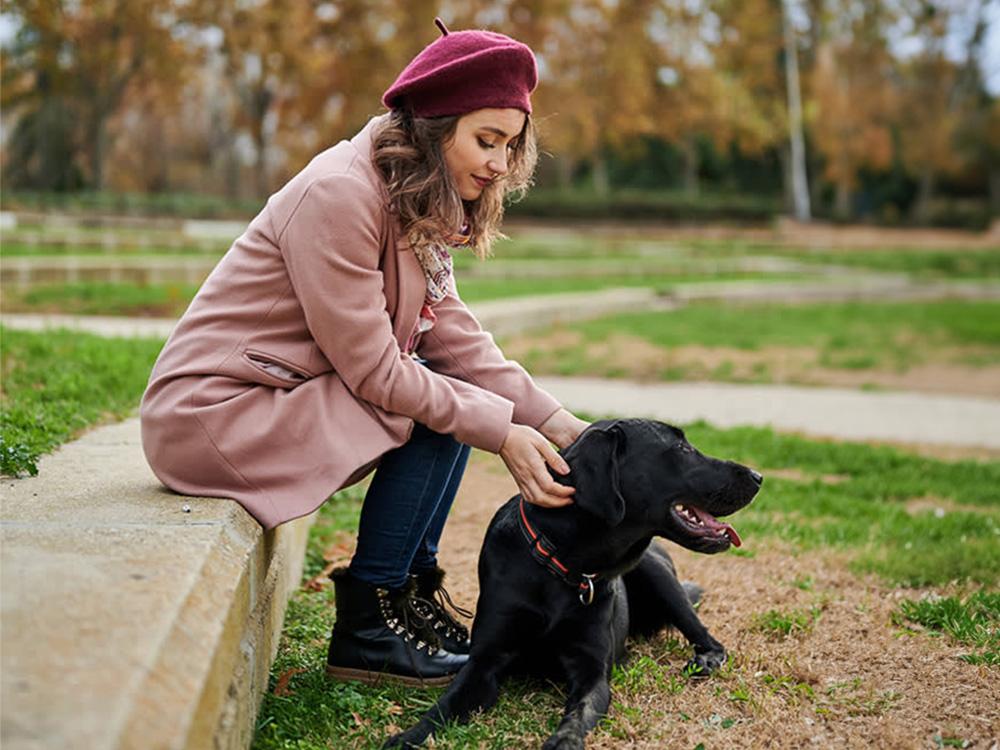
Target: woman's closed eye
[(486, 144)]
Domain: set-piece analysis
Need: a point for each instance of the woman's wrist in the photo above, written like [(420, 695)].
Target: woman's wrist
[(562, 428)]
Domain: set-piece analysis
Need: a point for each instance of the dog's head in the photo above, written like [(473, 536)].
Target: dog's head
[(648, 473)]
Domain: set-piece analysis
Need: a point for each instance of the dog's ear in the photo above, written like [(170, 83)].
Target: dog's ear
[(595, 472)]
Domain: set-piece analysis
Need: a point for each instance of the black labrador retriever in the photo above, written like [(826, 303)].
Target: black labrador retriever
[(559, 589)]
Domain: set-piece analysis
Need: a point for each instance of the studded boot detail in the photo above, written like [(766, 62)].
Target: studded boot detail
[(433, 602), (379, 635)]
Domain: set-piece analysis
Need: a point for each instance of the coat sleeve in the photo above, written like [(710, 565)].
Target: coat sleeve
[(458, 346), (331, 245)]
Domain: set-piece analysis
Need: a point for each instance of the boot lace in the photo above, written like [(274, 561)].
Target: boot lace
[(437, 609), (406, 619)]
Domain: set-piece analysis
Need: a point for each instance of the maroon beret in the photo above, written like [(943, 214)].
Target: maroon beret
[(463, 71)]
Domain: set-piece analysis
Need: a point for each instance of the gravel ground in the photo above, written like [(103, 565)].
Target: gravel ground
[(853, 680)]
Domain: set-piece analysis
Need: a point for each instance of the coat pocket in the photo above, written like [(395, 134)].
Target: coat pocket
[(280, 369)]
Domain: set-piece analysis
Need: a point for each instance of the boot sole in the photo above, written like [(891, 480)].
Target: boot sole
[(376, 678)]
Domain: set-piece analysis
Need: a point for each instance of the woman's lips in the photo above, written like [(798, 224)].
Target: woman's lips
[(481, 181)]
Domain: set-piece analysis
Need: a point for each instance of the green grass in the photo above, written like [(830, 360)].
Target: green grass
[(894, 336), (923, 265), (88, 203), (974, 621), (783, 623), (534, 262), (316, 713), (476, 289), (864, 515), (57, 384), (102, 298), (59, 251), (840, 328)]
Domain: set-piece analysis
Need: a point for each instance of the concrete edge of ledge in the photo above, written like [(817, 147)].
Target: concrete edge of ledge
[(160, 624)]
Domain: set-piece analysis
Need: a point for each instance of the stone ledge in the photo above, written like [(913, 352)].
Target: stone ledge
[(126, 621)]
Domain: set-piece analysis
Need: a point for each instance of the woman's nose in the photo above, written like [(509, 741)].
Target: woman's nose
[(498, 165)]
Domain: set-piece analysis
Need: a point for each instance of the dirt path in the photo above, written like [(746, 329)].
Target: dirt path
[(633, 357), (852, 679)]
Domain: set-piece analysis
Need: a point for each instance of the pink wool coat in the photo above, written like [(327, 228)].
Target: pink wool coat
[(324, 285)]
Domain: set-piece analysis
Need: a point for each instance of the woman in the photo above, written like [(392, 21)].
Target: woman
[(331, 339)]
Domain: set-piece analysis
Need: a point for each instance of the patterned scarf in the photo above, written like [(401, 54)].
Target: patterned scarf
[(436, 262)]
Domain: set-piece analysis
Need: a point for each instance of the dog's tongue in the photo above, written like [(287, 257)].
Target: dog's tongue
[(716, 525), (731, 533)]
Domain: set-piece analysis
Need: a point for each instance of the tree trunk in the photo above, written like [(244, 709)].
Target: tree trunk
[(800, 185), (925, 191), (689, 149), (788, 195), (995, 190), (260, 105), (231, 171), (564, 172), (260, 168), (842, 200), (98, 139), (602, 184)]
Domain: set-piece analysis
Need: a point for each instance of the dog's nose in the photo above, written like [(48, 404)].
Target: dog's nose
[(757, 476)]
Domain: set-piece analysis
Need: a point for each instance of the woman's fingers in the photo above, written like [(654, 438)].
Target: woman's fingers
[(552, 495), (545, 490), (548, 501), (527, 453), (553, 459)]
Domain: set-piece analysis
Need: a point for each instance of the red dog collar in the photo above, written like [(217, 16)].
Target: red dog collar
[(544, 552)]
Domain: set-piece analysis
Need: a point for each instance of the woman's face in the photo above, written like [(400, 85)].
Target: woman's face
[(478, 151)]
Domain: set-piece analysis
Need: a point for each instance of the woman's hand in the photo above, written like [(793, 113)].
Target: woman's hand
[(526, 453), (562, 428)]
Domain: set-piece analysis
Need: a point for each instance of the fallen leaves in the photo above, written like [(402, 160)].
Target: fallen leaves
[(281, 688)]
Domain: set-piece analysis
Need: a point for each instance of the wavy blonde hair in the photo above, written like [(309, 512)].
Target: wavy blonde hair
[(408, 152)]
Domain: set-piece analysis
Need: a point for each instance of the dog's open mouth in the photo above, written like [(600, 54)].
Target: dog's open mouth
[(701, 523)]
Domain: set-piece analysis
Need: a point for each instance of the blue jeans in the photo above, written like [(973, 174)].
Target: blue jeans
[(406, 507)]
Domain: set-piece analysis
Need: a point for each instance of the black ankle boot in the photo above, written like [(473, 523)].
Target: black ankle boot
[(378, 635), (434, 603)]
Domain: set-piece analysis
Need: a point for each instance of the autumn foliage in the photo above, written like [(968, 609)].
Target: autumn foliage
[(233, 96)]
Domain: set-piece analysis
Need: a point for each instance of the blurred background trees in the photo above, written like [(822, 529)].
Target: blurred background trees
[(231, 97)]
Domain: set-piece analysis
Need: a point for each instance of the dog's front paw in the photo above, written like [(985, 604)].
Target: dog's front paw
[(560, 741), (706, 662), (411, 738)]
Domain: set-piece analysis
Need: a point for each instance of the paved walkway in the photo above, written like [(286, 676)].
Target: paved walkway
[(898, 417)]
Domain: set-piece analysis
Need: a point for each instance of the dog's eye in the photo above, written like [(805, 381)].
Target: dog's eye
[(685, 448)]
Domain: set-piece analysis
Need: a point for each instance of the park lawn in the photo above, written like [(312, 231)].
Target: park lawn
[(481, 289), (768, 343), (569, 247), (166, 300), (65, 256), (898, 519), (916, 526), (531, 263), (102, 298), (57, 384), (921, 264), (302, 709)]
